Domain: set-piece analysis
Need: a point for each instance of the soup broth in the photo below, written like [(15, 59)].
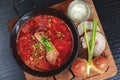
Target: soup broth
[(44, 42)]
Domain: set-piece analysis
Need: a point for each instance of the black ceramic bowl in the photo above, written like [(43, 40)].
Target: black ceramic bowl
[(52, 12)]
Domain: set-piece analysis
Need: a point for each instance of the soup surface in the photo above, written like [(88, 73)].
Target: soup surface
[(44, 42)]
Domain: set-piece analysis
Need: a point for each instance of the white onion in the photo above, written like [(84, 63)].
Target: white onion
[(88, 27), (99, 45)]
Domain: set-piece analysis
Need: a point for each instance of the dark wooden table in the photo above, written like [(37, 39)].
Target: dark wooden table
[(108, 11)]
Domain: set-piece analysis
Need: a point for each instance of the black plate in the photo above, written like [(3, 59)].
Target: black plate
[(52, 12)]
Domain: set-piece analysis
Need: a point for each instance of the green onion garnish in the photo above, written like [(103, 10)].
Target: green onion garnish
[(47, 44), (94, 30), (86, 37), (92, 45)]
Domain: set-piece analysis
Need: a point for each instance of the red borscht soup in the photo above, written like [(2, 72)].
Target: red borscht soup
[(44, 42)]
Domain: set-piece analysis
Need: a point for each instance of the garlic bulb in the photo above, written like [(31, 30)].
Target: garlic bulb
[(99, 45)]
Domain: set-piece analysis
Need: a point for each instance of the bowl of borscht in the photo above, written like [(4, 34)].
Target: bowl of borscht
[(44, 42)]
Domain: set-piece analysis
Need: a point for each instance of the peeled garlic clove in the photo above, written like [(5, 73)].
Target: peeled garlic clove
[(100, 43), (79, 67), (100, 64), (88, 27)]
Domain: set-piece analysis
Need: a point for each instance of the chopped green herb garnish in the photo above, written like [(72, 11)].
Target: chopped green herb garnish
[(36, 45), (35, 55), (47, 44)]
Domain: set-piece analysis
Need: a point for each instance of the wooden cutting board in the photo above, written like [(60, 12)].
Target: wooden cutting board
[(111, 71)]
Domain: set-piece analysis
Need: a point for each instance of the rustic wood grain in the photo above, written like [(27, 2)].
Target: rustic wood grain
[(111, 71)]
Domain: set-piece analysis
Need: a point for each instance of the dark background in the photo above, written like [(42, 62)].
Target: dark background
[(109, 14)]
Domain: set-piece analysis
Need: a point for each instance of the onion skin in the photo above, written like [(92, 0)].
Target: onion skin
[(79, 67), (100, 64)]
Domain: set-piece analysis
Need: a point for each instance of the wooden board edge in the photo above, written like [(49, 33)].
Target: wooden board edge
[(114, 65)]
